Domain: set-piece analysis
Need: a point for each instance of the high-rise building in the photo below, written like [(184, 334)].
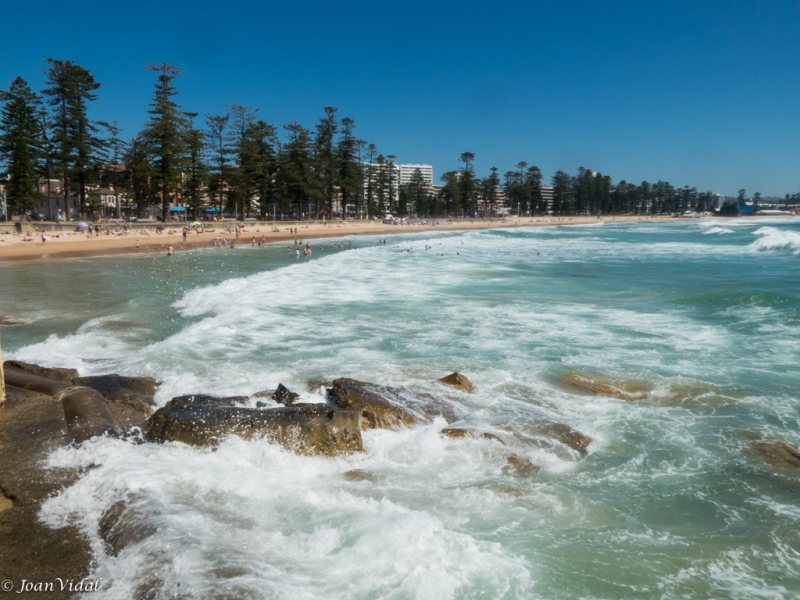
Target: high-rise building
[(407, 172), (400, 175)]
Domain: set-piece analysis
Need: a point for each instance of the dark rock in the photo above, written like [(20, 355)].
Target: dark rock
[(311, 430), (264, 394), (260, 404), (458, 381), (629, 391), (283, 396), (381, 407), (57, 374), (138, 392), (87, 414), (568, 436), (206, 400)]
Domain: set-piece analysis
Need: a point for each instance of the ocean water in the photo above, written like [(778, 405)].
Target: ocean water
[(702, 316)]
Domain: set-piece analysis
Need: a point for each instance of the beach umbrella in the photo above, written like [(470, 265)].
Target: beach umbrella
[(196, 223), (344, 222)]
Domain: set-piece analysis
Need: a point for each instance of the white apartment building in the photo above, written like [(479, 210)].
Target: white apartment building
[(400, 175), (407, 172)]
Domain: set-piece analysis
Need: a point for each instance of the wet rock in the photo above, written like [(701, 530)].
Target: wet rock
[(49, 386), (520, 466), (629, 391), (381, 407), (568, 436), (311, 430), (56, 374), (87, 414), (315, 384), (456, 432), (359, 475), (206, 400), (31, 426), (771, 450), (138, 392), (284, 396), (458, 381), (131, 399)]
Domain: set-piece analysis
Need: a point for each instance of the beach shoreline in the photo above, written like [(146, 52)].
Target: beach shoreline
[(80, 245)]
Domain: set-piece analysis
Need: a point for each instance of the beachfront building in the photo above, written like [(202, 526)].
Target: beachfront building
[(407, 172), (393, 176), (547, 196)]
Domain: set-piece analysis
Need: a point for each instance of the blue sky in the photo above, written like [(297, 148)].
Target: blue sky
[(692, 92)]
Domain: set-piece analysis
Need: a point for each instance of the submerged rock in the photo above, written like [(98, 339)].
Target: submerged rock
[(568, 436), (520, 466), (311, 430), (771, 450), (381, 407), (359, 475), (457, 432), (284, 396), (629, 391), (458, 381)]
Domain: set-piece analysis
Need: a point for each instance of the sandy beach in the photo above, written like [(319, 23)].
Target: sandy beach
[(29, 244)]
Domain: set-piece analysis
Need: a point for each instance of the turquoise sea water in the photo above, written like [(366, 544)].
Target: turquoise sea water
[(703, 316)]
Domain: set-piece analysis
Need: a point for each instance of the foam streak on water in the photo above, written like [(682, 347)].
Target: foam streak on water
[(703, 316)]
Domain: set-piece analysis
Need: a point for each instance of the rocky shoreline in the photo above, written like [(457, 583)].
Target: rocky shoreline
[(47, 409)]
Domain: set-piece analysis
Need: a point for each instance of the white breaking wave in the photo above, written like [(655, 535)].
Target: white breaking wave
[(718, 230), (776, 239)]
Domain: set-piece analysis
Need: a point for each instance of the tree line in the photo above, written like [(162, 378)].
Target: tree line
[(235, 161)]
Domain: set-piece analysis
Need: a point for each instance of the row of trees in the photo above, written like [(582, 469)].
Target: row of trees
[(236, 161), (233, 161)]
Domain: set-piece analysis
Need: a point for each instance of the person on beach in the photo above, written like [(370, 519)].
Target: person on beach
[(298, 252), (137, 243), (170, 250)]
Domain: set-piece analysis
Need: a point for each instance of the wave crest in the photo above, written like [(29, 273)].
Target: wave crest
[(773, 238)]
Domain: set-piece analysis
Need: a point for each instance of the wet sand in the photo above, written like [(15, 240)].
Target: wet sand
[(77, 245)]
